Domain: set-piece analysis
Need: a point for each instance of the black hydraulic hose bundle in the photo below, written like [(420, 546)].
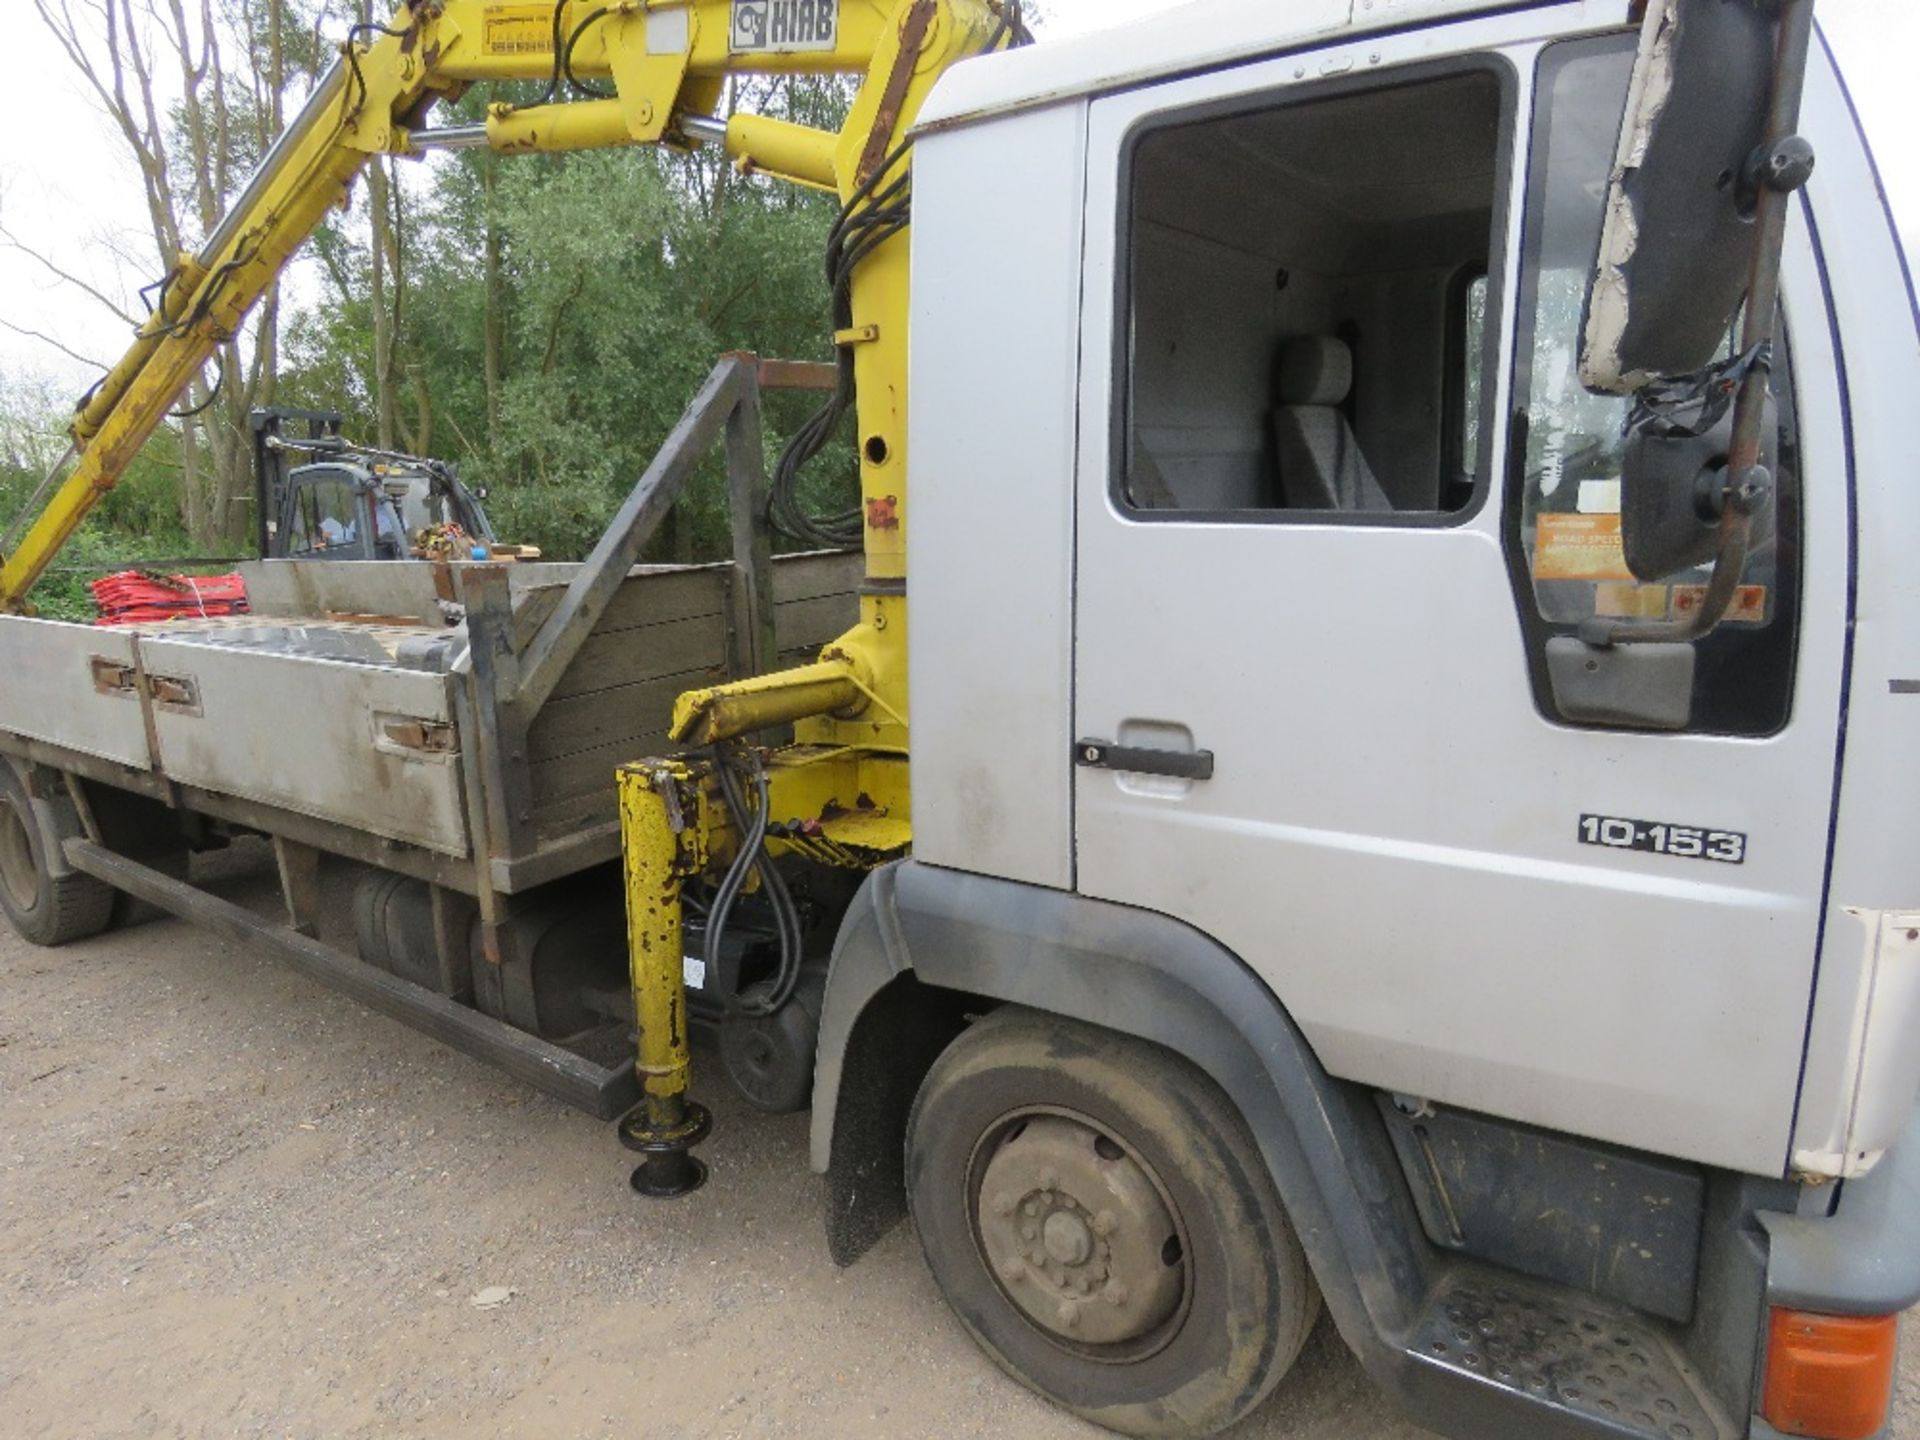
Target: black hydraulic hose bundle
[(769, 996), (872, 215)]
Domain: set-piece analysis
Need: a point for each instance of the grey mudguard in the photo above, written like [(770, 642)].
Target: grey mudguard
[(1864, 1258), (1150, 976)]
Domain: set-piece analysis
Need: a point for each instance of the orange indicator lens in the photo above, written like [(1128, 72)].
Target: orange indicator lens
[(1830, 1376)]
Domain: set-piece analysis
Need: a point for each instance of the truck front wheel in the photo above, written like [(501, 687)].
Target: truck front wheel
[(45, 908), (1100, 1220)]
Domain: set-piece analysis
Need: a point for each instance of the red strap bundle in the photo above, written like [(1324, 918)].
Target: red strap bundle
[(134, 597)]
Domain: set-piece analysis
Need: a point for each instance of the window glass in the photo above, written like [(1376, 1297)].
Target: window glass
[(1571, 563), (326, 516), (1293, 301), (390, 538)]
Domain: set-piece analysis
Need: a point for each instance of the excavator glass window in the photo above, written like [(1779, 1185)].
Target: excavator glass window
[(1301, 295), (1564, 537), (328, 518)]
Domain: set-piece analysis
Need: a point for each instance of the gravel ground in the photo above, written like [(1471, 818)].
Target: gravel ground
[(236, 1205)]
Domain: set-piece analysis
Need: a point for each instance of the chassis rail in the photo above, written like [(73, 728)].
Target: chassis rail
[(601, 1092)]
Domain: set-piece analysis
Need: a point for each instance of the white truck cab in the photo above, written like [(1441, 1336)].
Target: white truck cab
[(1573, 1011)]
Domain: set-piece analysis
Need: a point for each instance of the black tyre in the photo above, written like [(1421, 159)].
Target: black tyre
[(45, 909), (1100, 1220), (769, 1058)]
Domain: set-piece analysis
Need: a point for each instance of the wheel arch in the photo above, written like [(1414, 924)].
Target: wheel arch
[(922, 946)]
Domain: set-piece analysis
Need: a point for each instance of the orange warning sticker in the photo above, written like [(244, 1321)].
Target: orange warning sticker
[(517, 29), (1579, 547)]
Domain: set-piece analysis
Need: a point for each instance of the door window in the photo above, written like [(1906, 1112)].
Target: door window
[(1564, 533), (326, 517), (1297, 298)]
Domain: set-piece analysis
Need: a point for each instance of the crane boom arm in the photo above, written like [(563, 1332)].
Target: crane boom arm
[(667, 61)]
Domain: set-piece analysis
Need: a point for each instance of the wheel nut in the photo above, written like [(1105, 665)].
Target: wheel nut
[(1029, 1230), (1103, 1223)]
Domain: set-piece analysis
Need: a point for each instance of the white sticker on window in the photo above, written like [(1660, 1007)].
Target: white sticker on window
[(1599, 497), (767, 26), (694, 971)]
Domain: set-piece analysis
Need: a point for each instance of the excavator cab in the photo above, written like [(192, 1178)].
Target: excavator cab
[(338, 512), (354, 502)]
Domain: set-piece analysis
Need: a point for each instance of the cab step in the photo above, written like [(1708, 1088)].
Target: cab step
[(1587, 1360)]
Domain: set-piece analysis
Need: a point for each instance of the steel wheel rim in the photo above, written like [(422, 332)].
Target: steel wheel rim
[(18, 874), (1102, 1270)]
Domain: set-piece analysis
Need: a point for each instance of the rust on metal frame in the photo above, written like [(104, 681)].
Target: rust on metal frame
[(797, 375), (913, 35)]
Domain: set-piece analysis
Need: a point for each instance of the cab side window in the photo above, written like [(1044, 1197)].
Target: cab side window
[(1298, 296)]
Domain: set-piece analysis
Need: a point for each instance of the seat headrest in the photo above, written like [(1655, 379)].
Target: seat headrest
[(1312, 370)]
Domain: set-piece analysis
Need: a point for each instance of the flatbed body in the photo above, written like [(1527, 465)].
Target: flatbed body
[(367, 735)]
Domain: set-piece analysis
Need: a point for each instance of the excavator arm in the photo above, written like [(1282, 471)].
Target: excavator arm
[(654, 71)]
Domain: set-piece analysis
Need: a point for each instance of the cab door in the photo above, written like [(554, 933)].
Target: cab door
[(1338, 493)]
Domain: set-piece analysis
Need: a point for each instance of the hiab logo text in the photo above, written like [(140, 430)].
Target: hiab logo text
[(784, 25)]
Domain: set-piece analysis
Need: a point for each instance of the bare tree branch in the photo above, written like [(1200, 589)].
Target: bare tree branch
[(45, 339), (181, 81), (10, 241)]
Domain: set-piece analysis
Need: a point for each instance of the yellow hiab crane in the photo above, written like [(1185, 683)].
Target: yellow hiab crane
[(668, 63)]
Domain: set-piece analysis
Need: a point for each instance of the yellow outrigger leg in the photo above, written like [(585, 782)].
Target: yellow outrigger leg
[(665, 845)]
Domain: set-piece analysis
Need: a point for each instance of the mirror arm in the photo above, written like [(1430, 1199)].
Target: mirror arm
[(1781, 166)]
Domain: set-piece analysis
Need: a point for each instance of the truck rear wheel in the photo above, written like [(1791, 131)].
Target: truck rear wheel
[(1100, 1220), (45, 908), (769, 1058)]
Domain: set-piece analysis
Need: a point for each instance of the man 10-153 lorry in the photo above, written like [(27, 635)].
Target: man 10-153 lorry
[(1399, 797)]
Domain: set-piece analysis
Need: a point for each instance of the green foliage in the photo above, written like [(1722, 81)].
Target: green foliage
[(622, 276), (137, 521)]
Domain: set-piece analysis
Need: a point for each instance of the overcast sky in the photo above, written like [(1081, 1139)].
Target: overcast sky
[(67, 188)]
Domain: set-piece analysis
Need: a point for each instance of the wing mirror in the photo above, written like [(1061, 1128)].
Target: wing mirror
[(1706, 163)]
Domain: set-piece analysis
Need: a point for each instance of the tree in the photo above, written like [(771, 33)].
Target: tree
[(196, 92)]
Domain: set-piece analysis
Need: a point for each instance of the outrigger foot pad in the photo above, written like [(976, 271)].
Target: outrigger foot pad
[(670, 1168)]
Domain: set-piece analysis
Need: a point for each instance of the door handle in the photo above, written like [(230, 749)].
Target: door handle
[(1181, 764)]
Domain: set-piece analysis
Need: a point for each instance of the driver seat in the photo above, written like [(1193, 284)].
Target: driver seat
[(1321, 467)]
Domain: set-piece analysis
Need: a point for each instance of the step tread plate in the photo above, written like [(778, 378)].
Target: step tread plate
[(1568, 1353)]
